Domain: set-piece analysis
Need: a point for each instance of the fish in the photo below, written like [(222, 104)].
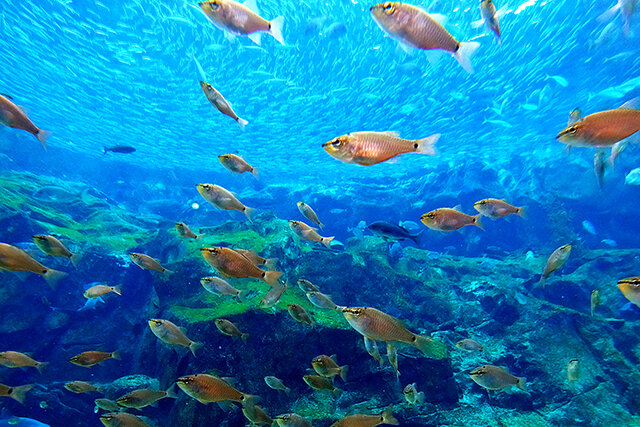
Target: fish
[(448, 220), (371, 148), (372, 348), (496, 378), (317, 382), (627, 9), (556, 260), (256, 259), (185, 232), (257, 416), (276, 384), (217, 286), (237, 164), (170, 334), (223, 199), (307, 286), (321, 300), (299, 314), (573, 372), (361, 420), (99, 290), (379, 326), (495, 208), (273, 296), (122, 419), (599, 167), (18, 393), (54, 247), (122, 149), (392, 356), (13, 116), (328, 367), (491, 17), (142, 398), (230, 329), (605, 128), (630, 288), (106, 405), (390, 231), (595, 300), (469, 345), (15, 359), (305, 232), (230, 263), (91, 358), (412, 396), (413, 27), (207, 388), (145, 262), (82, 387), (616, 149), (589, 227), (309, 213), (217, 100), (292, 420), (242, 19), (13, 258)]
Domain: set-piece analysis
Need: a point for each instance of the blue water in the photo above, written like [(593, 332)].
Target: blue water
[(99, 74)]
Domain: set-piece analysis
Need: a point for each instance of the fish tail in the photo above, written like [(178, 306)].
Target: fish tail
[(272, 277), (166, 273), (327, 241), (477, 221), (115, 355), (321, 225), (242, 296), (254, 172), (343, 372), (609, 14), (105, 150), (171, 392), (430, 347), (53, 277), (612, 161), (195, 346), (464, 53), (42, 136), (417, 238), (244, 337), (117, 290), (336, 392), (75, 259), (521, 383), (20, 393), (241, 122), (388, 418), (543, 280), (41, 365), (249, 401), (275, 28), (427, 145), (522, 212), (270, 263), (287, 390), (248, 212)]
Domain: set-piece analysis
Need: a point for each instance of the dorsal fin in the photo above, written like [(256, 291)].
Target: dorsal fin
[(632, 104), (392, 133), (6, 96)]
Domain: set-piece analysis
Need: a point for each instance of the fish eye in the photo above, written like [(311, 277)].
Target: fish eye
[(389, 8), (573, 130)]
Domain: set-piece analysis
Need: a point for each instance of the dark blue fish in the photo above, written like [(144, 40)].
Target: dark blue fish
[(390, 231), (119, 149)]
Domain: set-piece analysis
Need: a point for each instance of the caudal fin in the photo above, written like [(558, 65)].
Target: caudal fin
[(430, 347), (41, 365), (270, 263), (248, 212), (609, 14), (343, 372), (477, 221), (20, 393), (241, 122), (244, 337), (464, 53), (249, 401), (417, 238), (42, 136), (194, 346), (522, 212), (254, 172), (171, 392), (427, 145), (327, 240), (521, 383), (115, 355), (75, 259), (242, 296), (276, 28), (272, 277), (388, 418), (166, 273), (53, 277)]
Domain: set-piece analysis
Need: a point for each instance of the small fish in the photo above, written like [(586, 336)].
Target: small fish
[(321, 300), (390, 231), (307, 286), (185, 232), (142, 398), (413, 27), (273, 296), (13, 116), (317, 382), (237, 164), (379, 326), (18, 393), (82, 387), (230, 329), (630, 288), (276, 384), (599, 167), (573, 372), (242, 19), (495, 378), (106, 405), (145, 262), (15, 359), (99, 290), (609, 242), (412, 396), (230, 263), (370, 148), (256, 259), (495, 208), (328, 367), (559, 79), (90, 358), (392, 356), (556, 260), (15, 259), (299, 314), (469, 345), (223, 199), (122, 419), (257, 416), (595, 300), (372, 348), (123, 149), (217, 286), (54, 247), (490, 17), (207, 388), (170, 334), (305, 232), (292, 420), (627, 9), (221, 104), (361, 420), (309, 213), (589, 227), (448, 220)]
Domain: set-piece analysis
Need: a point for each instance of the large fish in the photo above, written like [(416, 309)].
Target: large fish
[(207, 388), (361, 420), (230, 263), (15, 259), (11, 115)]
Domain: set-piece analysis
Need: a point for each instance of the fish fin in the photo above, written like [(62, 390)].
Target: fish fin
[(343, 372), (42, 136), (275, 28), (252, 5), (542, 280), (327, 241), (75, 259), (420, 397), (225, 405), (477, 221), (609, 14), (20, 393), (272, 277), (248, 212), (405, 48), (22, 275), (41, 365), (433, 56), (256, 38), (388, 418), (477, 24), (270, 263), (521, 383), (321, 225), (457, 208), (171, 392), (439, 18), (242, 123), (632, 104), (6, 96), (115, 355), (194, 346), (426, 145), (244, 337), (417, 237), (53, 277), (464, 54), (392, 133), (430, 347), (254, 172), (242, 296), (248, 400), (166, 273), (522, 211), (336, 392)]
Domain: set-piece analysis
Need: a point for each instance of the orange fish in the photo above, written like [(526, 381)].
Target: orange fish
[(630, 288), (11, 115), (361, 420), (15, 259), (305, 232), (370, 148), (256, 259), (207, 388), (494, 208), (90, 358), (230, 263), (448, 220)]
